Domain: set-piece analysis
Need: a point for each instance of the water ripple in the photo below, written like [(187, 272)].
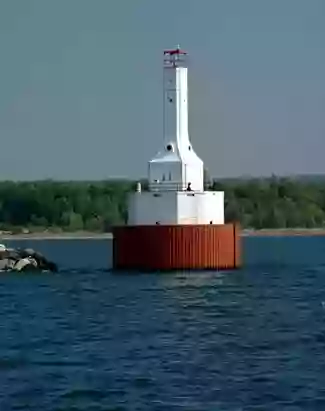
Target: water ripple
[(87, 338)]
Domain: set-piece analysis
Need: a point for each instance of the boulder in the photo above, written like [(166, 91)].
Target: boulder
[(6, 264), (25, 264), (16, 259)]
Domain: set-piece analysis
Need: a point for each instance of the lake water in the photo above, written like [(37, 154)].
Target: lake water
[(88, 339)]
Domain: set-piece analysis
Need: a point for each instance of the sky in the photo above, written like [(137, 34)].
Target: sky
[(81, 86)]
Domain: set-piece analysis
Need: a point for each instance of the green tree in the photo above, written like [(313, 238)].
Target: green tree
[(97, 206)]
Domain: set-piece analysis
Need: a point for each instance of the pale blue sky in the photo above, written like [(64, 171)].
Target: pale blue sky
[(81, 85)]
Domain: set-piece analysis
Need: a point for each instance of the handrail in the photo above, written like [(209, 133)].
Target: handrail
[(166, 186), (171, 186)]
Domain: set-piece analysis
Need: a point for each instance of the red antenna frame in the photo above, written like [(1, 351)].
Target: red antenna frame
[(175, 57)]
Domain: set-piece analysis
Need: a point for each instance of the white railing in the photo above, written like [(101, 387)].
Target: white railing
[(170, 186), (167, 186)]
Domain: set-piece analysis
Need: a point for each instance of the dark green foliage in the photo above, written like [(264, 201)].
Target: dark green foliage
[(96, 206), (67, 206), (275, 202)]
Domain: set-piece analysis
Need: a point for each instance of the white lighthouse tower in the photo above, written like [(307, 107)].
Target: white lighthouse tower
[(175, 224), (176, 174)]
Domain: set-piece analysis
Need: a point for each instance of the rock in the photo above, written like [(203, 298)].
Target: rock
[(25, 264), (13, 254), (6, 264), (16, 259), (28, 251)]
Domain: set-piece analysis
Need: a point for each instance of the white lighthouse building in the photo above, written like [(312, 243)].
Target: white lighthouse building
[(176, 193)]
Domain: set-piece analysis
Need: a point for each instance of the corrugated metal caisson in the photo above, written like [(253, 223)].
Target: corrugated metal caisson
[(176, 247)]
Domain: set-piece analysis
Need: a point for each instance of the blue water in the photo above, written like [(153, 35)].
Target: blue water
[(87, 339)]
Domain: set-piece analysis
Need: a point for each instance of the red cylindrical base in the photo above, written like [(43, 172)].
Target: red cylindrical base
[(178, 247)]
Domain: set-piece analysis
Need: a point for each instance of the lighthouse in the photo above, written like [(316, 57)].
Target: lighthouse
[(176, 224)]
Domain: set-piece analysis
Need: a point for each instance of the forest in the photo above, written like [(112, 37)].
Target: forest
[(97, 206)]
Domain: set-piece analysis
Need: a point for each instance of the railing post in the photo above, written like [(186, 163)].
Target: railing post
[(167, 186)]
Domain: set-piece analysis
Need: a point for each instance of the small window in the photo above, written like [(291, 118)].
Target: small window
[(170, 176), (163, 177)]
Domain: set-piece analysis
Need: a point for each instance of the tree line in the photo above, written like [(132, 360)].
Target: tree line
[(97, 206)]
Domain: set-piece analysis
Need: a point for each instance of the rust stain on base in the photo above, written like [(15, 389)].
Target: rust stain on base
[(181, 247)]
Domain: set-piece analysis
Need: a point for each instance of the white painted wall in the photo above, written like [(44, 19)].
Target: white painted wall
[(166, 175), (194, 174), (176, 106), (174, 173), (182, 108), (210, 207), (148, 208), (170, 105)]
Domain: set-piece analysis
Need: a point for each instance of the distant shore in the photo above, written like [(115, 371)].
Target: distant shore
[(83, 235), (284, 232), (56, 236)]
